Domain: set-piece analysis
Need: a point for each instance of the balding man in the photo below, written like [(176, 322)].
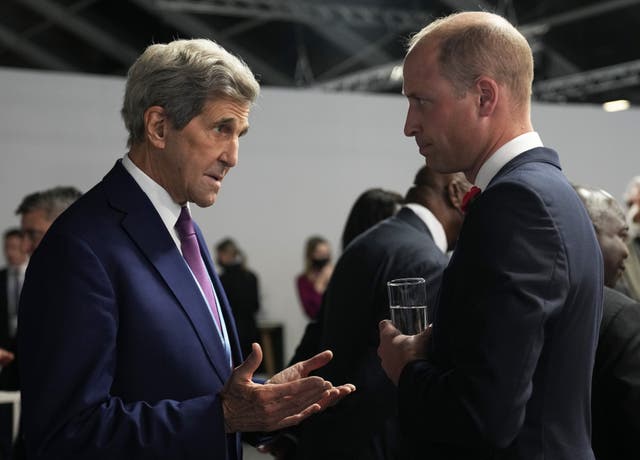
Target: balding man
[(505, 370), (413, 243)]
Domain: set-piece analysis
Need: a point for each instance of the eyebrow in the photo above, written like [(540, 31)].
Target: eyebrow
[(233, 121)]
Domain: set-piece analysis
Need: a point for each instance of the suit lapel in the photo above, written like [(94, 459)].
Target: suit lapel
[(145, 227)]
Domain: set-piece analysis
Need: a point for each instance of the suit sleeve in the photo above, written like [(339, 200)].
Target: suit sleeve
[(506, 276), (68, 341)]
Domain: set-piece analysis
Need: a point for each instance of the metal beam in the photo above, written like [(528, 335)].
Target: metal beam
[(468, 5), (304, 11), (328, 21), (590, 82), (377, 78), (543, 25), (66, 19), (193, 27), (36, 55)]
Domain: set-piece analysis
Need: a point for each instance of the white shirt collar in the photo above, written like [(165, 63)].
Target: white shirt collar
[(432, 223), (168, 210), (505, 154)]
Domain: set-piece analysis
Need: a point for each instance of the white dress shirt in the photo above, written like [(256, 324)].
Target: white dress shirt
[(435, 227), (504, 154)]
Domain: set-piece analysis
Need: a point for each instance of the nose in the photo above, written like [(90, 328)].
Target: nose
[(625, 251), (230, 157), (410, 124)]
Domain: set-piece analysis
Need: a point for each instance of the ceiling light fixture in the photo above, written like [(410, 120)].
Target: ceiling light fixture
[(616, 106)]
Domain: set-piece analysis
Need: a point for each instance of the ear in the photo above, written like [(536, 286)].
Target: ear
[(489, 91), (456, 189), (155, 125)]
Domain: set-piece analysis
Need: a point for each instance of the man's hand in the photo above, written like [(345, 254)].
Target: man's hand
[(396, 350), (5, 357), (285, 400)]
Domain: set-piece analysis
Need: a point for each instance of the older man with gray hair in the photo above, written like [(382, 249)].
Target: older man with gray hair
[(616, 372), (630, 281), (130, 349)]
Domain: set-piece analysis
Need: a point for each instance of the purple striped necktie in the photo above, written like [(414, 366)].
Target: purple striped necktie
[(191, 253)]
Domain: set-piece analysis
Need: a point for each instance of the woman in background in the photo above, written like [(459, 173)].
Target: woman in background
[(317, 271), (372, 206)]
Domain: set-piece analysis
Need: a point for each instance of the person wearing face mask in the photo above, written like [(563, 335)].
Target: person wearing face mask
[(313, 281), (615, 398), (241, 286), (630, 282)]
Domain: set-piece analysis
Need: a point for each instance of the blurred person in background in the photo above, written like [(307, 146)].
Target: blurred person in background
[(242, 289), (370, 207), (11, 278), (630, 282), (616, 372), (312, 282), (412, 243)]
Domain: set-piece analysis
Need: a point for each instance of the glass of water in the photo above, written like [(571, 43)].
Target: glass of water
[(408, 303)]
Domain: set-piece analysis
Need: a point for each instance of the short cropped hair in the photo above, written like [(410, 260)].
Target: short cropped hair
[(481, 44), (52, 201), (181, 77), (600, 205)]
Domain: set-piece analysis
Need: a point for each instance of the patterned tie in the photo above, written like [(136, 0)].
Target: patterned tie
[(191, 253)]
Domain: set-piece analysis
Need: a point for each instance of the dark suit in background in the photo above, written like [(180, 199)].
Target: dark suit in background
[(365, 425), (9, 374), (616, 380), (241, 288)]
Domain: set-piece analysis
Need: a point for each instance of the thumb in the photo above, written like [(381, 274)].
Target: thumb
[(251, 363), (387, 329)]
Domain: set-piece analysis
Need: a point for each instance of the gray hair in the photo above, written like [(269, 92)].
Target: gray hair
[(632, 191), (181, 77), (600, 205), (52, 201)]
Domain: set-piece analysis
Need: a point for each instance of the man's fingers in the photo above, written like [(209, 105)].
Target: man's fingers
[(251, 363), (316, 362)]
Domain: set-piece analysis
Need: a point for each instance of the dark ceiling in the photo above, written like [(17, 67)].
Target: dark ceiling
[(585, 51)]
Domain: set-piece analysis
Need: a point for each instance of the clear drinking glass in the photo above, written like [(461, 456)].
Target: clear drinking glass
[(408, 304)]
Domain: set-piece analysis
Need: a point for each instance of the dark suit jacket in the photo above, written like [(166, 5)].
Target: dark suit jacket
[(241, 287), (9, 374), (4, 310), (356, 300), (516, 326), (616, 380), (120, 358)]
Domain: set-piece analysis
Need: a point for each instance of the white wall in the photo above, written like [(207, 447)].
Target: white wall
[(307, 157)]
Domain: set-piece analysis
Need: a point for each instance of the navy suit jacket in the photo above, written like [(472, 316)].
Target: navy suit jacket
[(365, 425), (120, 355), (516, 326)]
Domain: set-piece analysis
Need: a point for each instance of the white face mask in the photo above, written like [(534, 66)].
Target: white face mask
[(633, 220)]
